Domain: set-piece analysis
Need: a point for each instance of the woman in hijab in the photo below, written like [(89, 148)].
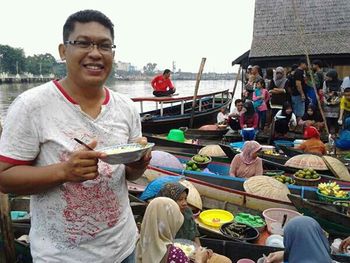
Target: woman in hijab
[(247, 163), (312, 118), (160, 224), (188, 230), (278, 90), (285, 120), (343, 143), (178, 193), (249, 119), (331, 100), (304, 241), (313, 144)]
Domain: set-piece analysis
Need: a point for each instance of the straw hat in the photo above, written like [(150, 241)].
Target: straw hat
[(302, 161), (266, 187), (337, 167), (212, 151), (193, 198)]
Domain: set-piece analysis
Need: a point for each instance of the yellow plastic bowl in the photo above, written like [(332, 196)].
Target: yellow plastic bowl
[(215, 217)]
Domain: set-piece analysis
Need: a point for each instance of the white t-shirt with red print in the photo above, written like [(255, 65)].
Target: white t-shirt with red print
[(74, 222)]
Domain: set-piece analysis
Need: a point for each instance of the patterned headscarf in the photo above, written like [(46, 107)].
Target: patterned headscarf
[(249, 148), (160, 224), (172, 190)]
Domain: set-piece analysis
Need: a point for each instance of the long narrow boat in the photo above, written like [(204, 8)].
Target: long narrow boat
[(205, 134), (222, 169), (178, 114), (228, 193), (326, 215)]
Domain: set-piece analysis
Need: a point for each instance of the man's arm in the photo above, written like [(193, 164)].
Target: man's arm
[(153, 82), (25, 179), (135, 170)]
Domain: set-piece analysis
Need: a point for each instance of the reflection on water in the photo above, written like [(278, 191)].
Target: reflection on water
[(8, 92)]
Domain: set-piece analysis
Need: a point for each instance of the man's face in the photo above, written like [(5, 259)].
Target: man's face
[(239, 106), (347, 95), (303, 66), (91, 66), (255, 70), (166, 75)]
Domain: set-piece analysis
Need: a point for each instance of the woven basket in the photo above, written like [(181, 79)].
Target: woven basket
[(306, 182), (330, 199)]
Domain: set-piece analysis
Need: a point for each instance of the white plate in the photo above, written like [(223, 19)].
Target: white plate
[(125, 153), (281, 117), (248, 129)]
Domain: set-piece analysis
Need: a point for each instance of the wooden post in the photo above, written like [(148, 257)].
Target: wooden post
[(199, 75), (303, 42), (235, 86), (6, 229)]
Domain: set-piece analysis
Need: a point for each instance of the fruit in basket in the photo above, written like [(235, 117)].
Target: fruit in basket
[(192, 166), (201, 158), (307, 173), (332, 189), (284, 179)]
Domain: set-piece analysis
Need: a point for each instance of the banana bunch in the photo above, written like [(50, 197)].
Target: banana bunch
[(332, 189)]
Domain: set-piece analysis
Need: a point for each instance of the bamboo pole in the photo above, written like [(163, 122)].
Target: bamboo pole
[(199, 75), (235, 86), (6, 229), (306, 50)]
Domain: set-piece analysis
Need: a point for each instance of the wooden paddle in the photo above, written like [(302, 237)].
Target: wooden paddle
[(199, 75), (6, 229)]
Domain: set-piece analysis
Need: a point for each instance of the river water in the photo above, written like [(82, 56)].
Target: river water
[(133, 89)]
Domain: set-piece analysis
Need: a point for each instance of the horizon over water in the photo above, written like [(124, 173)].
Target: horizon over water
[(133, 89)]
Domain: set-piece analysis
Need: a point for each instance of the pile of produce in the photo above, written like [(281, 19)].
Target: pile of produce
[(332, 189), (307, 173), (347, 156), (192, 166), (235, 230), (270, 152), (250, 220), (284, 179), (201, 159)]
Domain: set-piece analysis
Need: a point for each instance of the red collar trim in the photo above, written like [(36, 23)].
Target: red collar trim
[(71, 100)]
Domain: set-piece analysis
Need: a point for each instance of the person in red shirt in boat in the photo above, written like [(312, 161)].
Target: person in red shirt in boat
[(162, 85)]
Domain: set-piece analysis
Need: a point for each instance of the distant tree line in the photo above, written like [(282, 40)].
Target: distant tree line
[(13, 61)]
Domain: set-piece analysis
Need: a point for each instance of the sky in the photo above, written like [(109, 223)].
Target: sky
[(157, 31)]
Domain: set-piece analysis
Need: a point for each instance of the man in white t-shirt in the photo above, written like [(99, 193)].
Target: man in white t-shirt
[(79, 204)]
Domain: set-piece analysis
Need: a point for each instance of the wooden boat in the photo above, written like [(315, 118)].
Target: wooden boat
[(326, 215), (227, 193), (178, 114), (204, 134), (289, 151), (220, 160)]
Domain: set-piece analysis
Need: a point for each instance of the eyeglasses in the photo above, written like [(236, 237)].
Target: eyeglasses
[(89, 45)]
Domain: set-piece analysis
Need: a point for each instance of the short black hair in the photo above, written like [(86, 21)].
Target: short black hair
[(318, 63), (347, 89), (294, 67), (238, 101), (166, 71), (86, 16), (302, 61)]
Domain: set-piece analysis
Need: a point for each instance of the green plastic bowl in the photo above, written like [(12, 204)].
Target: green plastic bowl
[(176, 135)]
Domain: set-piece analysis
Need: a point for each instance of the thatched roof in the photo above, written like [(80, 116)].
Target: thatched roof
[(326, 26)]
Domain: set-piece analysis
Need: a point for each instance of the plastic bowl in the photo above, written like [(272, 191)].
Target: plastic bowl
[(176, 135), (215, 217), (245, 260), (251, 234), (331, 199), (274, 219)]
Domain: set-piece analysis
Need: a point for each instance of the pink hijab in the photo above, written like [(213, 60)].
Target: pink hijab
[(249, 148)]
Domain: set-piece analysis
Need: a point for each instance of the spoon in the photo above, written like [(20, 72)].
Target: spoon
[(83, 143)]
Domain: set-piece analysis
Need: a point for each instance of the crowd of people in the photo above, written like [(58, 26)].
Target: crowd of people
[(287, 99)]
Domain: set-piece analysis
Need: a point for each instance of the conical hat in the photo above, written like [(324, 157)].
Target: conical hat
[(267, 187), (302, 161), (337, 167), (212, 151), (194, 198)]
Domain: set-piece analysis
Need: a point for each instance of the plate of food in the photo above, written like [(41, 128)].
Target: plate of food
[(125, 153), (187, 246)]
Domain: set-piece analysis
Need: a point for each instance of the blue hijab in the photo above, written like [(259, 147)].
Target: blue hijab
[(343, 142), (304, 241)]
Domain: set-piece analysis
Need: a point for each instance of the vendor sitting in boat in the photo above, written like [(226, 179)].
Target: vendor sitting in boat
[(178, 193), (247, 163), (222, 116), (234, 116), (313, 144), (285, 120), (162, 85), (343, 143)]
